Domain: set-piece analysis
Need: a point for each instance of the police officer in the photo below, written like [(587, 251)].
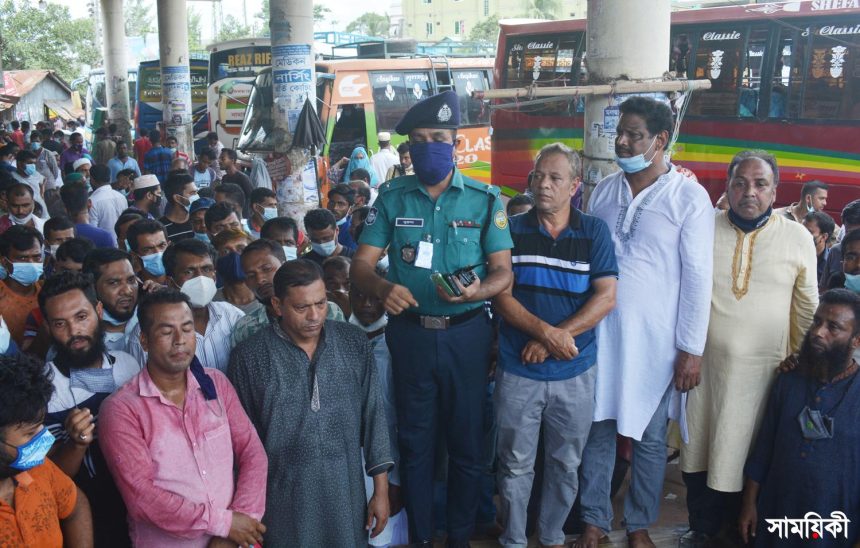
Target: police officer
[(437, 221)]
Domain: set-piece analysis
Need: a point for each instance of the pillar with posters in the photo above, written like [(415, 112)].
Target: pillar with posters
[(175, 72), (293, 81)]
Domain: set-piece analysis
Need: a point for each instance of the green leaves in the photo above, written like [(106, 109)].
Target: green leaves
[(371, 24)]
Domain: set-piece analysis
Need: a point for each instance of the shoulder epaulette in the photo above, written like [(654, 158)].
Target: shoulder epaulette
[(482, 187)]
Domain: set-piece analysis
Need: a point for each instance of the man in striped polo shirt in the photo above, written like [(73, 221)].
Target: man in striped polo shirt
[(564, 283)]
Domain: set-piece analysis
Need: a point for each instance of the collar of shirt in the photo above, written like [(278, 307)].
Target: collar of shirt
[(147, 388), (315, 389), (575, 221), (415, 185)]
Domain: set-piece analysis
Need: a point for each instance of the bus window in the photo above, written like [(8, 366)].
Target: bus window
[(679, 57), (349, 132), (513, 65), (750, 90), (472, 111), (787, 77), (395, 92), (832, 89), (718, 58)]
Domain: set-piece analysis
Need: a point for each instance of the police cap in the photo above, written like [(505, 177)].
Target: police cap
[(440, 111)]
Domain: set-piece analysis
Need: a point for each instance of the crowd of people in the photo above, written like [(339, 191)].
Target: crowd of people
[(183, 366)]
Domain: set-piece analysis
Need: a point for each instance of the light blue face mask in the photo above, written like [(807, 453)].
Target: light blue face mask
[(291, 253), (33, 453), (106, 316), (269, 213), (852, 282), (637, 163), (191, 199), (325, 249), (26, 274), (3, 273), (202, 236), (30, 169), (153, 264)]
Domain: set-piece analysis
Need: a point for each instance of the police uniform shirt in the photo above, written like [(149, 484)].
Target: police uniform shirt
[(460, 224)]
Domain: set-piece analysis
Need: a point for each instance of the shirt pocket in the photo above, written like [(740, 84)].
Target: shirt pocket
[(219, 444), (404, 245), (464, 247)]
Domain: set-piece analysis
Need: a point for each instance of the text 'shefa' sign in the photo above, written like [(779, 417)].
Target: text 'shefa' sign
[(250, 59)]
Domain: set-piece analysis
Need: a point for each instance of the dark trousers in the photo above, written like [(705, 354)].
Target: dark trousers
[(439, 379), (710, 510)]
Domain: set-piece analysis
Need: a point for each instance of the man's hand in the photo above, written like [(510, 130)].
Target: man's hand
[(397, 298), (80, 427), (688, 370), (747, 521), (788, 364), (534, 352), (395, 502), (560, 344), (467, 294), (377, 509), (245, 530), (150, 286)]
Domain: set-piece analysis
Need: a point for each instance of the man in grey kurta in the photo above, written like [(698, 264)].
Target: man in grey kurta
[(310, 387)]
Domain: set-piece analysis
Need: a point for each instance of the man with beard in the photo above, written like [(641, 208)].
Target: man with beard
[(116, 289), (805, 458), (765, 280), (84, 374), (260, 260), (39, 505)]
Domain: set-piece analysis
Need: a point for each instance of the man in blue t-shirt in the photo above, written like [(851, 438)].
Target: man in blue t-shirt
[(76, 201), (565, 273)]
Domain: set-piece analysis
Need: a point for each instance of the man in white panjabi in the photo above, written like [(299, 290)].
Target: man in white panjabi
[(650, 345), (764, 296)]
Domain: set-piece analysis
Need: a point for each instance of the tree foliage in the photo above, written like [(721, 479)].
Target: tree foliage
[(233, 29), (542, 9), (486, 31), (195, 34), (371, 24), (138, 19), (320, 13), (33, 39)]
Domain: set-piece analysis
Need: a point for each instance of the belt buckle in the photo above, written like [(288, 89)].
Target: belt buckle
[(435, 322)]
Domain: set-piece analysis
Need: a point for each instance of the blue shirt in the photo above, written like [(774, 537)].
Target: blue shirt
[(101, 238), (157, 161), (344, 238), (553, 280), (116, 165)]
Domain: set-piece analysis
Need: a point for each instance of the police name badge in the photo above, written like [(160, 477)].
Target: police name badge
[(425, 255)]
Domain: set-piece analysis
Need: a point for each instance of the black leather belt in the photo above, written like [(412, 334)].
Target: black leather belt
[(439, 322)]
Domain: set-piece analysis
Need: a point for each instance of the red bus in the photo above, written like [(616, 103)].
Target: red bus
[(785, 78)]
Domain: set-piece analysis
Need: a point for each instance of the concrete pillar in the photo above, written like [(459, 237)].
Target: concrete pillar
[(293, 80), (175, 72), (627, 40), (116, 69)]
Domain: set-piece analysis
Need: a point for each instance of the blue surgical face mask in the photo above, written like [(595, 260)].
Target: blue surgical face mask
[(202, 236), (153, 264), (432, 161), (106, 316), (341, 222), (33, 453), (291, 253), (30, 169), (325, 249), (26, 273), (35, 146), (852, 282), (191, 199), (269, 213), (637, 163), (172, 151), (3, 273)]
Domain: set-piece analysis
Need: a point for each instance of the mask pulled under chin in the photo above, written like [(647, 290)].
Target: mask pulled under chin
[(200, 290), (432, 161), (375, 326)]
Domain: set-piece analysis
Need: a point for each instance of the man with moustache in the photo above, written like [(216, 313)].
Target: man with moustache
[(765, 280), (84, 375), (805, 457), (310, 387), (117, 288)]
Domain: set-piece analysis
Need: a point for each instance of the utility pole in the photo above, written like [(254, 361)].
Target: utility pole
[(175, 72), (291, 23), (626, 40), (116, 71)]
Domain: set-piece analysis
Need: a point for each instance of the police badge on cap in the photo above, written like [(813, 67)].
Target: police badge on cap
[(440, 111)]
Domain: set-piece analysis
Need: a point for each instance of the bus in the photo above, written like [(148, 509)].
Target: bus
[(233, 66), (96, 97), (148, 95), (785, 78), (356, 98)]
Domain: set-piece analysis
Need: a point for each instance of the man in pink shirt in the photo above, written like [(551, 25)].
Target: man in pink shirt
[(172, 437)]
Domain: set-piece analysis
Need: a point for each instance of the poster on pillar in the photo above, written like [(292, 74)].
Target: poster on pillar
[(176, 94), (292, 80)]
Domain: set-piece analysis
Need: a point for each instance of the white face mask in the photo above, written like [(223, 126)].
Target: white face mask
[(200, 290), (20, 220), (52, 249), (5, 336), (382, 264), (375, 326), (291, 253)]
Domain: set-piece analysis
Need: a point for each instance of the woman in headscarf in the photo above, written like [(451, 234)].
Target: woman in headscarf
[(357, 160)]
